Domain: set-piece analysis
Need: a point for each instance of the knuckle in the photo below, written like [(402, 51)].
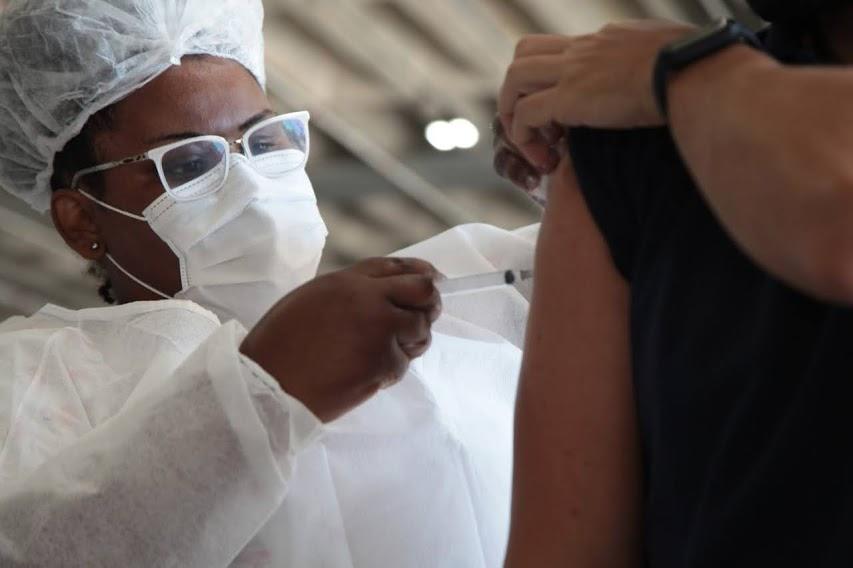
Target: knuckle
[(426, 285), (409, 264), (522, 46), (393, 263), (424, 268), (362, 267), (514, 68), (342, 280)]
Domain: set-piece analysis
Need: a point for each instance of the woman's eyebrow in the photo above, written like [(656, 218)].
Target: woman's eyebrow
[(256, 119), (175, 136), (172, 137)]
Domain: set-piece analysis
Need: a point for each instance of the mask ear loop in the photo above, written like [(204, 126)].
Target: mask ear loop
[(111, 208), (151, 289), (109, 257)]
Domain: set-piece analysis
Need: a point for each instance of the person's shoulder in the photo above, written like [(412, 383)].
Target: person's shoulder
[(180, 323), (40, 320), (13, 323), (24, 341)]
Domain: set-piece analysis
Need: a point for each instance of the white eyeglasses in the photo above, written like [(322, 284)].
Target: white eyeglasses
[(197, 167)]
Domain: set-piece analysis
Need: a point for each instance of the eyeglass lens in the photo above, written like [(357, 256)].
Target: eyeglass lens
[(195, 168), (278, 147), (198, 168)]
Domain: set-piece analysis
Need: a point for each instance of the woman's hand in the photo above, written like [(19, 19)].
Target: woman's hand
[(601, 80), (334, 342)]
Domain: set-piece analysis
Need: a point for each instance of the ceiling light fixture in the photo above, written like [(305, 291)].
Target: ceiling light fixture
[(459, 133)]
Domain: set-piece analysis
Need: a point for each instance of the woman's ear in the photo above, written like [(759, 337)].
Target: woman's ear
[(72, 215)]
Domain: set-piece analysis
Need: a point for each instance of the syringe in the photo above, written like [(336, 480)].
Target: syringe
[(481, 282)]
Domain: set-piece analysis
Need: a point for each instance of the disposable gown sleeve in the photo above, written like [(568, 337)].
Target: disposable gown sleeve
[(184, 475), (477, 248)]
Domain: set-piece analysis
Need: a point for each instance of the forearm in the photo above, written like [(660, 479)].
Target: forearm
[(770, 149), (576, 484)]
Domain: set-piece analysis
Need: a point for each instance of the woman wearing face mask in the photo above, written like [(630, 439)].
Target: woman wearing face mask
[(162, 432)]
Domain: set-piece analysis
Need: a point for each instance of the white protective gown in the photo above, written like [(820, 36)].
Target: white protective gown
[(139, 436)]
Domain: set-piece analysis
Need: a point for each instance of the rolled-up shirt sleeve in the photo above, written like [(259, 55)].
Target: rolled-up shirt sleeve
[(611, 169)]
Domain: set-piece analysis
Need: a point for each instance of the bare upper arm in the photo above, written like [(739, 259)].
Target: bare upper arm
[(577, 475)]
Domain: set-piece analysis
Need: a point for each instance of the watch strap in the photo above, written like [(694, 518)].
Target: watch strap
[(684, 52)]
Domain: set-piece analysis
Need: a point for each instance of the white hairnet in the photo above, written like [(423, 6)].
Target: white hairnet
[(61, 61)]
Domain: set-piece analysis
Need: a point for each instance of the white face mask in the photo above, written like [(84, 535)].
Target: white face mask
[(246, 246)]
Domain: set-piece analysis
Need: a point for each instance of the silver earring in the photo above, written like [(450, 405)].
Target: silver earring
[(95, 246)]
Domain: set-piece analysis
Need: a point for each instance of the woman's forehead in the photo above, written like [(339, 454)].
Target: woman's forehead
[(205, 95)]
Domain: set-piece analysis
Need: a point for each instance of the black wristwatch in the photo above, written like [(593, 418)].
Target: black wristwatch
[(686, 51)]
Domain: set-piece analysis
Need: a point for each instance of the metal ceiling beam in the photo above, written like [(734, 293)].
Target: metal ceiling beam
[(347, 180), (715, 8), (306, 68), (467, 29), (318, 69), (671, 9), (362, 146), (399, 63), (577, 16)]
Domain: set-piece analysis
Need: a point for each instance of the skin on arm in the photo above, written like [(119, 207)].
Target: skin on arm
[(770, 147), (577, 482)]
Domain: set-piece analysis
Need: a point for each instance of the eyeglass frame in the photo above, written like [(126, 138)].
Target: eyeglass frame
[(156, 154)]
